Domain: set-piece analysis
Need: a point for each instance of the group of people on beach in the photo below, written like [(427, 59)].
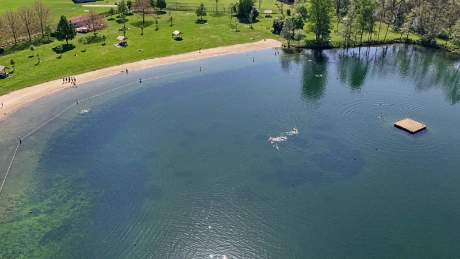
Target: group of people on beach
[(70, 79)]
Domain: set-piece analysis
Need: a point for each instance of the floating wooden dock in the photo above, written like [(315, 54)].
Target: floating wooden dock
[(410, 126)]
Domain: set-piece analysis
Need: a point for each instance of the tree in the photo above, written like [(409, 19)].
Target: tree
[(321, 12), (32, 47), (287, 31), (3, 30), (394, 7), (298, 36), (161, 4), (43, 15), (111, 12), (27, 16), (94, 20), (65, 30), (430, 18), (48, 31), (340, 9), (298, 21), (452, 15), (11, 21), (129, 4), (260, 3), (201, 11), (170, 20), (123, 11), (366, 17), (277, 26), (348, 32), (143, 6), (245, 7), (300, 7), (232, 10), (12, 63), (455, 35), (217, 6), (104, 38), (251, 16)]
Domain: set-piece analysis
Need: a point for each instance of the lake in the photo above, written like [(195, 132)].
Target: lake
[(181, 164)]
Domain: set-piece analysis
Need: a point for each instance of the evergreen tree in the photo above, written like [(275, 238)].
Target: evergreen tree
[(161, 4), (201, 11), (65, 30), (321, 12), (245, 7)]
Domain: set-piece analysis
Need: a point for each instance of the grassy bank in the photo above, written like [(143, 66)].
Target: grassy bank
[(45, 64)]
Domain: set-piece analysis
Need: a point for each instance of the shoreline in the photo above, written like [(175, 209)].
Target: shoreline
[(18, 98)]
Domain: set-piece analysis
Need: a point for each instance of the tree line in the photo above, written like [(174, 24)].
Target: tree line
[(364, 20), (25, 22)]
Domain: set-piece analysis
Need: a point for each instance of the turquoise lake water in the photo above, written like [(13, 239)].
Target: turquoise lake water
[(181, 164)]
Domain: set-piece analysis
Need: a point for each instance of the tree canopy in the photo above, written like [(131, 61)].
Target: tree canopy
[(65, 30), (245, 7), (321, 12), (201, 11)]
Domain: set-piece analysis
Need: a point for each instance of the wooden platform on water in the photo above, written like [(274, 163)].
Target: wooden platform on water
[(410, 126)]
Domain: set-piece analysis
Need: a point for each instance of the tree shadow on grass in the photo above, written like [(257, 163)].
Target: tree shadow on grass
[(201, 21), (92, 39), (139, 23), (65, 48), (246, 21), (120, 21)]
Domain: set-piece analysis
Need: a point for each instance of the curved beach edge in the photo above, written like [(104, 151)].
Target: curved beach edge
[(18, 98)]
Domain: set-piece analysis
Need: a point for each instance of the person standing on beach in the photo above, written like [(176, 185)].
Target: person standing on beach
[(126, 71)]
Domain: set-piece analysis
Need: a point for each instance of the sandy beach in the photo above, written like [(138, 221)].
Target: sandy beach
[(20, 97)]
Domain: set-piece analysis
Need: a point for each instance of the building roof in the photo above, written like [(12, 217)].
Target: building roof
[(121, 38), (268, 11), (2, 68), (77, 19), (176, 32)]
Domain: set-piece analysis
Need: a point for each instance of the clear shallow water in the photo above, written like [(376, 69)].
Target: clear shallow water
[(181, 164)]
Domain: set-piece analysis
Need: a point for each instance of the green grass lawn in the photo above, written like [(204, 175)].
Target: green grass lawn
[(58, 7)]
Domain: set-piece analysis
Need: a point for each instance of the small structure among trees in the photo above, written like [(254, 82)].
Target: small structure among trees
[(268, 13), (2, 71)]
